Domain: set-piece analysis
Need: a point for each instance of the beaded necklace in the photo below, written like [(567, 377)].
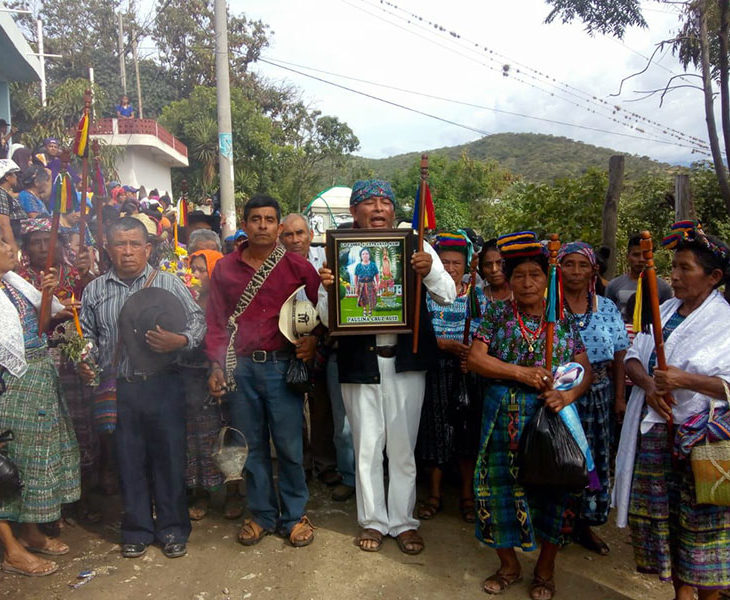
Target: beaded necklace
[(530, 336), (586, 320)]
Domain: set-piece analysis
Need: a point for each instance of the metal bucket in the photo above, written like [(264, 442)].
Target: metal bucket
[(230, 456)]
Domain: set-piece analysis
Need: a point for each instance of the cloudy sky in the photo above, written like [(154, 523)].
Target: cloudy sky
[(555, 71)]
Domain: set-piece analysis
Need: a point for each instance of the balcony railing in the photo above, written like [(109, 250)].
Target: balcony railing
[(140, 127)]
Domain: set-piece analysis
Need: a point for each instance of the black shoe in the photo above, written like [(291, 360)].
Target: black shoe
[(342, 492), (133, 550), (175, 550)]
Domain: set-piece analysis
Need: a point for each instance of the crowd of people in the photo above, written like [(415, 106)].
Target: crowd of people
[(183, 339)]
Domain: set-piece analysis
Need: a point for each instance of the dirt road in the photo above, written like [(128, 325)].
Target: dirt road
[(218, 568)]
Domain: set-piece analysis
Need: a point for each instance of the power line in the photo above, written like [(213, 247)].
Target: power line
[(455, 123), (602, 107)]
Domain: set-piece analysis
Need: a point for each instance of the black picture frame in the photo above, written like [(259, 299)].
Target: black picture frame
[(376, 299)]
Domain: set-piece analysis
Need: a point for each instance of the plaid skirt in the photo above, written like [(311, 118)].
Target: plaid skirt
[(451, 414), (44, 448), (595, 410), (508, 514), (672, 535), (80, 402), (203, 425)]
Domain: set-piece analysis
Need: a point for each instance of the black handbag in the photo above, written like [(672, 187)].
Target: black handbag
[(10, 484)]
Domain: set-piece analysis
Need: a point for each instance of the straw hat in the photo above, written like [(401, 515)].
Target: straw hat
[(297, 317)]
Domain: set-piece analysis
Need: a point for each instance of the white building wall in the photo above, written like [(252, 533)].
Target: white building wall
[(138, 167)]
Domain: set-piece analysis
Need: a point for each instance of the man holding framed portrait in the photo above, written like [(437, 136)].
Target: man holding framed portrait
[(383, 381)]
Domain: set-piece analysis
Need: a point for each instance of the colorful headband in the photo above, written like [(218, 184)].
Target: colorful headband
[(522, 243), (577, 248), (691, 231), (456, 241), (363, 189), (42, 224)]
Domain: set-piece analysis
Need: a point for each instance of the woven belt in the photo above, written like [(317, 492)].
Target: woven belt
[(385, 351), (261, 356)]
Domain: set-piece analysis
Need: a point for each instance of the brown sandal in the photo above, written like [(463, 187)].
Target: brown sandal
[(503, 581), (251, 533), (410, 538), (542, 589), (370, 535), (302, 534), (467, 508), (429, 509)]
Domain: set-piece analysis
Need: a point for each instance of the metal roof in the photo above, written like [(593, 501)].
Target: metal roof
[(19, 62)]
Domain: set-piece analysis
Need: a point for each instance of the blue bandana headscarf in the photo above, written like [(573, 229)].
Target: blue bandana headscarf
[(363, 189)]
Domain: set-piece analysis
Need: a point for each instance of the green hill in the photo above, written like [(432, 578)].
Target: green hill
[(537, 157)]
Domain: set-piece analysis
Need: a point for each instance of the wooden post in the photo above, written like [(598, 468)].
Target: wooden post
[(610, 210), (683, 206), (421, 228)]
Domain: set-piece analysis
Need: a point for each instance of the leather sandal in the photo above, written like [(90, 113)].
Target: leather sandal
[(503, 581), (51, 567), (53, 547), (429, 509), (410, 538), (302, 534), (370, 535), (542, 589), (251, 533), (467, 508)]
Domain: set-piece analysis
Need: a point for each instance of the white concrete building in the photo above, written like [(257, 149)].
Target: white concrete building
[(150, 151), (328, 210), (18, 63)]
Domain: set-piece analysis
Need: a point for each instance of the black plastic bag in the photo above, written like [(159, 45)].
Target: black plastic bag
[(548, 454), (10, 484), (297, 376)]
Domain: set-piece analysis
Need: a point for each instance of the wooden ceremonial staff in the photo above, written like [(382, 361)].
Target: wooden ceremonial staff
[(472, 282), (553, 247), (84, 175), (44, 317), (99, 198), (656, 319), (421, 227)]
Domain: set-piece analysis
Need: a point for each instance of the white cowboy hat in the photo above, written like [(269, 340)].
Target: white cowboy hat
[(297, 317), (8, 166)]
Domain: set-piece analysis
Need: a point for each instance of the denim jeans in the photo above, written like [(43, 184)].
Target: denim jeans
[(264, 407), (342, 435)]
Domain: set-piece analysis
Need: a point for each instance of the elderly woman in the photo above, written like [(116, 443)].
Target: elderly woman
[(203, 419), (491, 268), (44, 448), (509, 349), (452, 403), (672, 535), (35, 238), (604, 336)]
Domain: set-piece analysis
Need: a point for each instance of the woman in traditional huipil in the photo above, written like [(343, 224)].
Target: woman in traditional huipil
[(366, 283), (452, 404), (44, 448), (509, 350), (491, 268), (604, 336), (674, 536)]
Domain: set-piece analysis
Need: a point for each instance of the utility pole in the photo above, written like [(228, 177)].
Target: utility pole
[(122, 67), (610, 210), (140, 114), (225, 136), (41, 57)]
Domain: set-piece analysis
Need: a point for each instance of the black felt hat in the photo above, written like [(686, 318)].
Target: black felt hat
[(142, 312)]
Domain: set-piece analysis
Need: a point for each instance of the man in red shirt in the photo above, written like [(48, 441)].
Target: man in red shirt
[(262, 405)]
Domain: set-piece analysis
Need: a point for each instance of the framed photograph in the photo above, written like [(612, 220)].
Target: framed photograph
[(373, 292)]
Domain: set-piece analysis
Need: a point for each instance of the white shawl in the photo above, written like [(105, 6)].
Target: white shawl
[(12, 346), (700, 344)]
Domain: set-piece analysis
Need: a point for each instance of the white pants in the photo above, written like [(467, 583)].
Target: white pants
[(385, 416)]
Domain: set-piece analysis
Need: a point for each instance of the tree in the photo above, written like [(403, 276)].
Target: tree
[(183, 33), (702, 41)]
